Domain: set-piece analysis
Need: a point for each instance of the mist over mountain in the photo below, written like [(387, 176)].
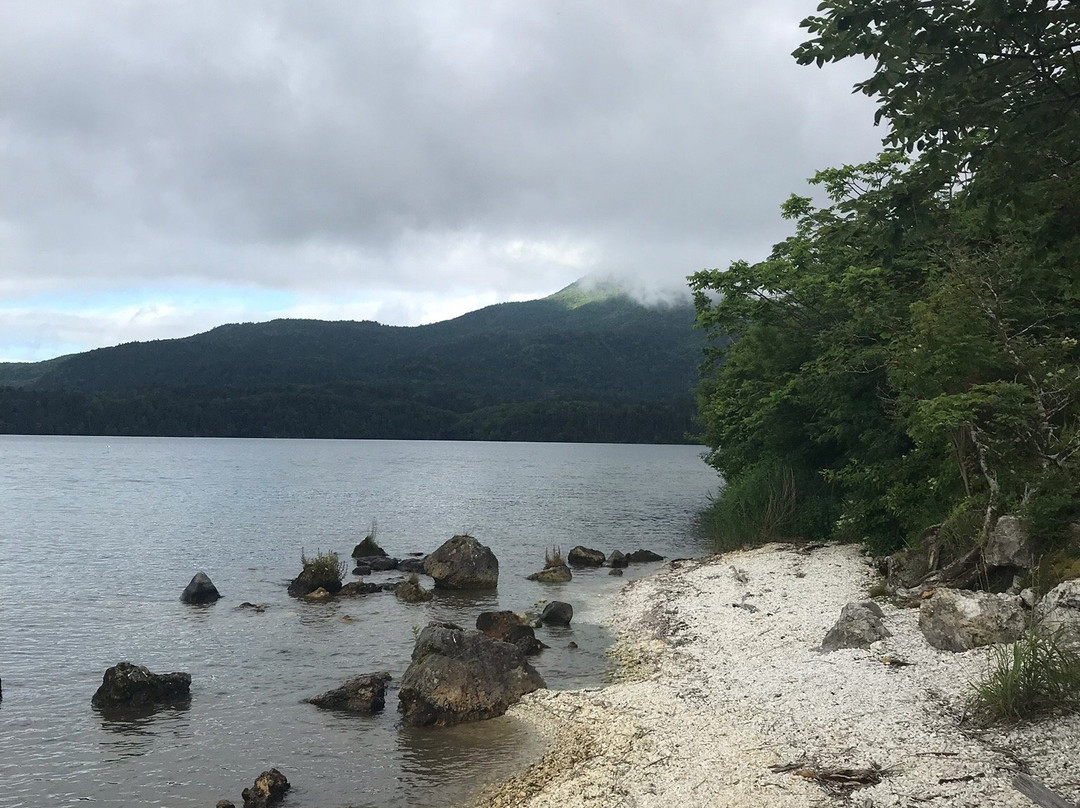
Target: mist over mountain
[(587, 363)]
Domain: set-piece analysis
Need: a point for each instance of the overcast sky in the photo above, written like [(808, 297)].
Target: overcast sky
[(171, 166)]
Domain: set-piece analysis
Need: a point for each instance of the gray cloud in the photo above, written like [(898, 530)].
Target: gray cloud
[(376, 148)]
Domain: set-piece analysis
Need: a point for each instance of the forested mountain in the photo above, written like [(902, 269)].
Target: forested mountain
[(573, 366)]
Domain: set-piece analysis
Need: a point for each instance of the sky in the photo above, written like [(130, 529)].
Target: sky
[(166, 167)]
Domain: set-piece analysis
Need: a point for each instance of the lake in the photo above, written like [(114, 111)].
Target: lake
[(99, 536)]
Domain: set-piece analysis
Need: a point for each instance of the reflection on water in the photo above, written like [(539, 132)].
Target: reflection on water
[(147, 514)]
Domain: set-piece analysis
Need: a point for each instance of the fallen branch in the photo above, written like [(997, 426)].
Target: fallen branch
[(1040, 794)]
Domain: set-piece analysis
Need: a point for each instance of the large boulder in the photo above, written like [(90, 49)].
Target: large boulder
[(368, 548), (316, 576), (959, 619), (463, 563), (585, 557), (1008, 544), (557, 613), (555, 574), (1060, 609), (268, 789), (509, 627), (200, 590), (457, 676), (129, 686), (858, 626), (362, 694)]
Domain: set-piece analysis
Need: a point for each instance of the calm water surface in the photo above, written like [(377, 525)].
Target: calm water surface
[(98, 537)]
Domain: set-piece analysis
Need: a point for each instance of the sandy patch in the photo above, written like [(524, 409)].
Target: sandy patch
[(721, 679)]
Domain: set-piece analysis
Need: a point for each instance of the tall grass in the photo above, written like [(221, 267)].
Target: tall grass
[(324, 570), (757, 508), (1037, 675)]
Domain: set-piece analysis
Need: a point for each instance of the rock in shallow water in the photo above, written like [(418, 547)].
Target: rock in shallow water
[(585, 557), (457, 676), (462, 562), (558, 574), (362, 694), (268, 789), (126, 685), (200, 590), (557, 613)]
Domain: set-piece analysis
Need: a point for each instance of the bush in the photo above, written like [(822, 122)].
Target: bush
[(1037, 675), (324, 570)]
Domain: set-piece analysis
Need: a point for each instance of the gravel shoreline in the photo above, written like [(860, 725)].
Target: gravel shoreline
[(720, 679)]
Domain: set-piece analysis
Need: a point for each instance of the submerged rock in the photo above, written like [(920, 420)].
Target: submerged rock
[(640, 556), (585, 557), (410, 590), (126, 685), (507, 626), (356, 588), (200, 590), (557, 613), (859, 625), (457, 676), (463, 563), (362, 694), (959, 620), (268, 789), (411, 564), (557, 574)]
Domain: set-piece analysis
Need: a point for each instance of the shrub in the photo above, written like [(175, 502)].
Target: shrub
[(553, 557), (324, 570), (1037, 675)]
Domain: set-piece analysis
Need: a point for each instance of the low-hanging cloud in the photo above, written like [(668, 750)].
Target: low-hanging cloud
[(357, 149)]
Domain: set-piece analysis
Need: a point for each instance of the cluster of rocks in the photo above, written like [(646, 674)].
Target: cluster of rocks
[(580, 556), (957, 617)]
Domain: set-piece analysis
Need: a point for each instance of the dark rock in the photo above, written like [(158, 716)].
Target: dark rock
[(615, 571), (225, 804), (859, 625), (457, 676), (368, 548), (132, 686), (361, 694), (410, 590), (557, 574), (463, 563), (557, 613), (305, 583), (958, 620), (258, 608), (361, 569), (381, 564), (1008, 544), (640, 556), (354, 589), (509, 627), (268, 789), (584, 557), (389, 586), (571, 644), (616, 560), (411, 564), (200, 590)]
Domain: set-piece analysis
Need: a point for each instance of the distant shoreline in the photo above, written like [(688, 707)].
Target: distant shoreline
[(722, 680)]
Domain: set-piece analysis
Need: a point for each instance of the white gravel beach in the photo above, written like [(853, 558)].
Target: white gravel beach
[(721, 679)]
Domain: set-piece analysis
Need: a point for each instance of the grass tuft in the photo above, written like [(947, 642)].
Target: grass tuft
[(553, 557), (325, 570), (1038, 675)]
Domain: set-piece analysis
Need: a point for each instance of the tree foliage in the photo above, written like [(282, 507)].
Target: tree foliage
[(911, 349)]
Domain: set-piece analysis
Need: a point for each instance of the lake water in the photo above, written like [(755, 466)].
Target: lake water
[(98, 537)]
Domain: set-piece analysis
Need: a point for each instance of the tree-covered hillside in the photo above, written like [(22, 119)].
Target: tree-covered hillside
[(908, 358), (579, 365)]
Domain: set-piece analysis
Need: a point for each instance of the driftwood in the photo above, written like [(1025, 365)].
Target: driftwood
[(835, 780), (1040, 794)]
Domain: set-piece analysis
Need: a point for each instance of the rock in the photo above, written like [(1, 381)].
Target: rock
[(615, 571), (457, 676), (378, 564), (362, 694), (268, 789), (355, 589), (1008, 544), (318, 595), (617, 560), (584, 557), (200, 590), (361, 569), (225, 804), (639, 556), (509, 627), (132, 686), (411, 565), (557, 613), (1060, 609), (410, 591), (463, 563), (258, 608), (859, 625), (309, 580), (368, 548), (959, 619), (558, 574)]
